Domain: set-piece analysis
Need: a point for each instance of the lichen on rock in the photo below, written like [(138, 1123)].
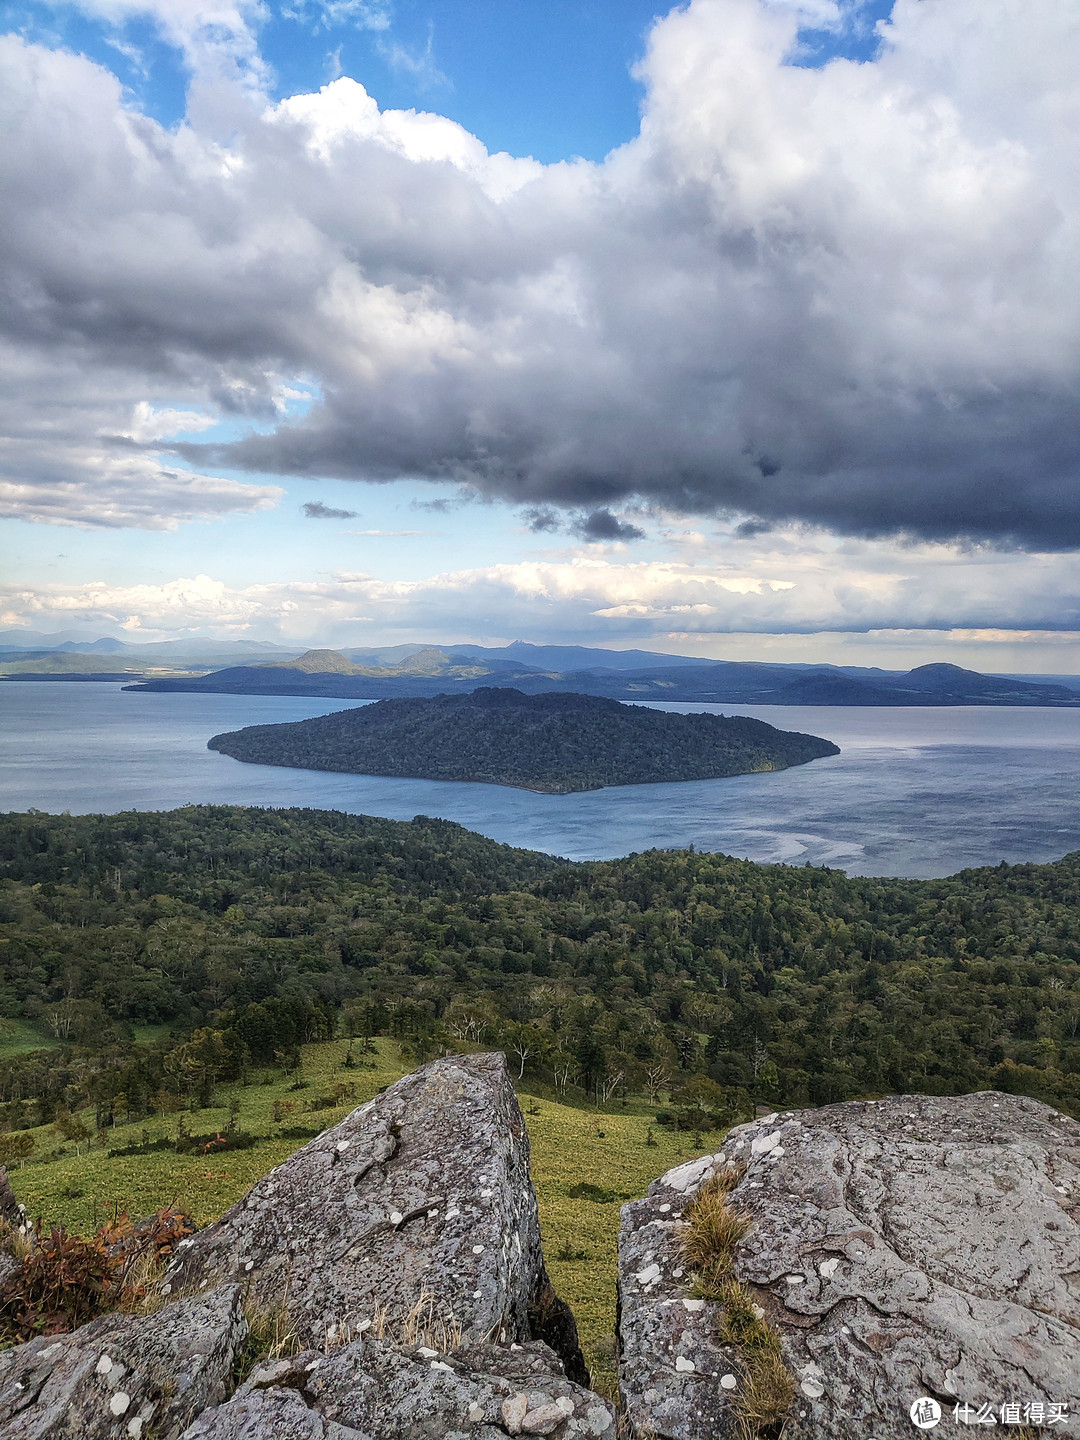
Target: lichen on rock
[(419, 1202), (910, 1247), (370, 1390), (122, 1377)]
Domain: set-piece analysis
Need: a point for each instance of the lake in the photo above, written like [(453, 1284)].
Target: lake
[(917, 792)]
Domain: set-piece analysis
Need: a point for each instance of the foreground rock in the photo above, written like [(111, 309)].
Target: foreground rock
[(371, 1391), (906, 1248), (11, 1212), (123, 1375), (416, 1215)]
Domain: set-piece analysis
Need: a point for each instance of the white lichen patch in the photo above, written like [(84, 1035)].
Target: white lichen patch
[(764, 1143), (812, 1381)]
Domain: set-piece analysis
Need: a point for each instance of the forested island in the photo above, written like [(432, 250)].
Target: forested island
[(553, 743), (240, 934)]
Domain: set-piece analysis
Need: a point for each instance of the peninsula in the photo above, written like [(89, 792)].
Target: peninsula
[(557, 743)]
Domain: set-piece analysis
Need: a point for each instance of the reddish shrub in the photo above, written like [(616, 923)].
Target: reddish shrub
[(66, 1280)]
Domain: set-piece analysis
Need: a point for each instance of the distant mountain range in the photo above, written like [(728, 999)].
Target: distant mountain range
[(430, 670), (262, 668)]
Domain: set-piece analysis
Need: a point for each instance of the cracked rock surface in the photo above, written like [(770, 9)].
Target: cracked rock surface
[(124, 1375), (915, 1246), (369, 1390), (420, 1197)]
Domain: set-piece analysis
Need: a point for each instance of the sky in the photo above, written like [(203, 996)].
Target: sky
[(747, 329)]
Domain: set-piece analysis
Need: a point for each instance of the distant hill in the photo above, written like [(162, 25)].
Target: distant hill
[(261, 668), (427, 661), (434, 671), (938, 684), (554, 743)]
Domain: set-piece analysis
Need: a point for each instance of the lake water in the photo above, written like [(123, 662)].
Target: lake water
[(919, 792)]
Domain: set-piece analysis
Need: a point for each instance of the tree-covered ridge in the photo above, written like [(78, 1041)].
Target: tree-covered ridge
[(553, 743), (253, 930)]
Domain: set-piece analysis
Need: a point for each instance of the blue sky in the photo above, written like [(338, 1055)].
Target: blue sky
[(715, 385), (548, 78)]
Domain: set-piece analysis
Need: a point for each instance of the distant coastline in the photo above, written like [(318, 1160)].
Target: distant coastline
[(400, 671), (330, 674)]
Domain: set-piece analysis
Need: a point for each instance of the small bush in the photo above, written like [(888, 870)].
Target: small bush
[(567, 1253), (190, 1144), (596, 1193), (693, 1119), (66, 1280)]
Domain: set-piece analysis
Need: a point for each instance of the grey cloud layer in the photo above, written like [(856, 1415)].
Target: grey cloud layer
[(845, 296)]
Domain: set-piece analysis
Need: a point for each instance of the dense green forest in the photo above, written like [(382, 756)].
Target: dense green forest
[(555, 743), (239, 934)]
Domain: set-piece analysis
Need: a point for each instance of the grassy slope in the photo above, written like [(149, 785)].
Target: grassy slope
[(567, 1149), (18, 1037)]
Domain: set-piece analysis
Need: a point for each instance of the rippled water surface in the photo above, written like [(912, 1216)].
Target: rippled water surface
[(918, 792)]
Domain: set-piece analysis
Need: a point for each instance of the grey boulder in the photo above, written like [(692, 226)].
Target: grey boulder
[(915, 1248), (415, 1215), (11, 1212), (369, 1390), (123, 1375)]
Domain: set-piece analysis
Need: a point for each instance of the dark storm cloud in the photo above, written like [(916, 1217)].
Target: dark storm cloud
[(842, 296), (316, 510), (542, 520), (750, 529), (603, 525)]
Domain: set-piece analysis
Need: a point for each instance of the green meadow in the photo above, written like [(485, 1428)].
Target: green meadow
[(585, 1163)]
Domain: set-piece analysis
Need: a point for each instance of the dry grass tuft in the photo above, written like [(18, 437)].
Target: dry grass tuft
[(714, 1230), (421, 1325), (16, 1240), (767, 1395), (728, 1176), (271, 1336)]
